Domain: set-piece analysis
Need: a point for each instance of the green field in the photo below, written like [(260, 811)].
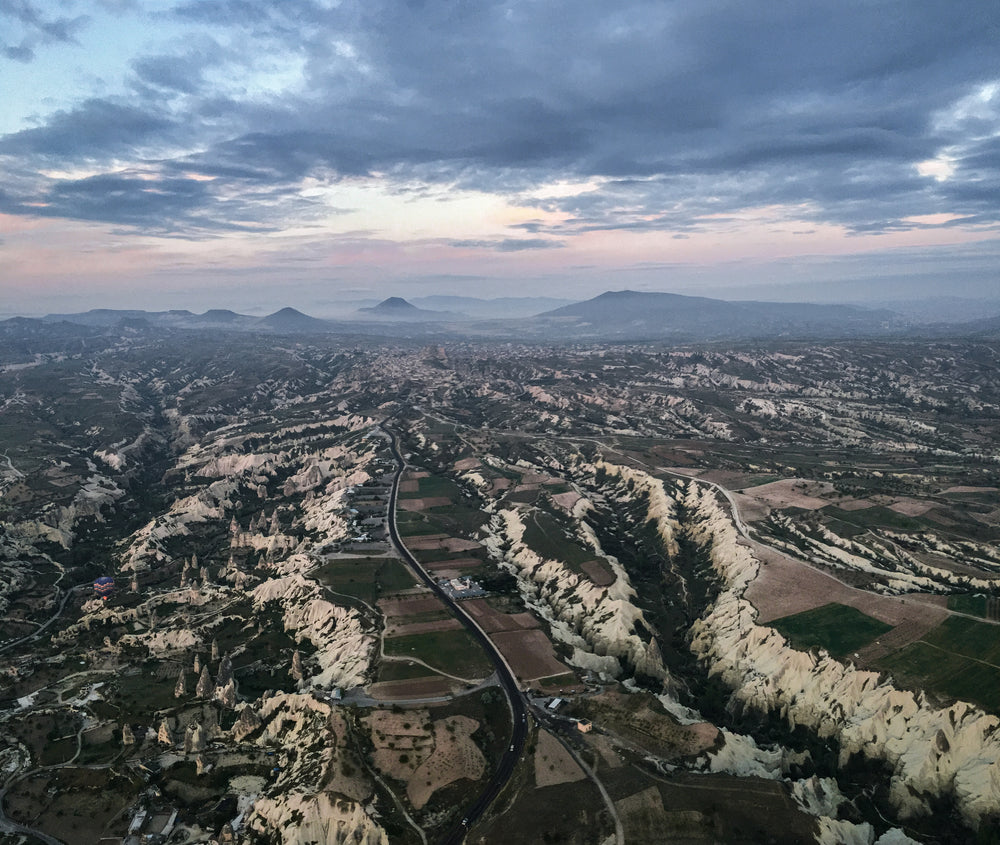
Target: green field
[(454, 652), (434, 486), (973, 605), (412, 524), (839, 629), (365, 578), (958, 659), (397, 670), (544, 535), (875, 517)]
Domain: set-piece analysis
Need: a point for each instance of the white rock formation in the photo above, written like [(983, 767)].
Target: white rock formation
[(311, 801), (344, 645), (324, 818), (599, 622), (952, 750)]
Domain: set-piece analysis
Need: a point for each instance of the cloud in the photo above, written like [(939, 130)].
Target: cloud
[(24, 18), (683, 115), (508, 244), (96, 130)]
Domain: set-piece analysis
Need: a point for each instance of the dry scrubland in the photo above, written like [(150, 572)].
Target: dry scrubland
[(237, 493)]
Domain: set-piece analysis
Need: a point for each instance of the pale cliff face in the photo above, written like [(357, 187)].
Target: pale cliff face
[(931, 751), (310, 800), (344, 644), (598, 622)]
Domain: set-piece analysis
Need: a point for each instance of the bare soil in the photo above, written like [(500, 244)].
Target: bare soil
[(429, 687), (599, 572), (855, 504), (911, 507), (786, 586), (425, 755), (553, 763), (422, 627), (458, 563), (409, 606), (793, 493), (529, 653), (492, 620), (566, 500), (425, 541), (423, 504), (457, 544)]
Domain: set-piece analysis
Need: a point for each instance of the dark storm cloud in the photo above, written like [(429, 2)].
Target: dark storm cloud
[(97, 129), (679, 110)]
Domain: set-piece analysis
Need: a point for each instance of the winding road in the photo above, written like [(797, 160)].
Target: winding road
[(515, 701)]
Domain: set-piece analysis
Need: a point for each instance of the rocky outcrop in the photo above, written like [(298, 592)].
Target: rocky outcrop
[(600, 623), (312, 799), (343, 642), (246, 724), (324, 818), (931, 751), (205, 687)]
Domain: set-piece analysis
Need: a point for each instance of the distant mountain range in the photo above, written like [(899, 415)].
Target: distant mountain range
[(615, 316), (642, 315)]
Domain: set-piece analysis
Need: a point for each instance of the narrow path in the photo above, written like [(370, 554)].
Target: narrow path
[(35, 634), (958, 654), (402, 658), (590, 773)]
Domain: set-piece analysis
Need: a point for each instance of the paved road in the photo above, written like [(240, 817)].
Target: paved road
[(518, 709), (41, 628)]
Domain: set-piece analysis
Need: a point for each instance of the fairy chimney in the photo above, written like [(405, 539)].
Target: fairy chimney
[(296, 671), (246, 724), (205, 688), (181, 689)]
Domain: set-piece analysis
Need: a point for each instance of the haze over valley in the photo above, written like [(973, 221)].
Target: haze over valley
[(554, 422)]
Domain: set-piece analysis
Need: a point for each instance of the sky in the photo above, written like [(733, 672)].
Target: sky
[(254, 154)]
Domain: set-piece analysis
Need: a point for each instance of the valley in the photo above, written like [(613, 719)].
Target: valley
[(743, 591)]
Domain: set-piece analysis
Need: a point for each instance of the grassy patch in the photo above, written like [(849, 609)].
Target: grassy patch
[(876, 517), (433, 486), (412, 524), (460, 519), (565, 679), (454, 652), (544, 535), (974, 605), (366, 577), (397, 670), (947, 661), (394, 576), (837, 628)]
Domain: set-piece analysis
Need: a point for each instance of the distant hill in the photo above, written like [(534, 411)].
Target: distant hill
[(290, 321), (113, 316), (987, 328), (641, 315), (493, 309), (397, 308), (222, 316)]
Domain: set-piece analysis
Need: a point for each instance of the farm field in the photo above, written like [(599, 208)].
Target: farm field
[(451, 651), (958, 659), (838, 629)]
